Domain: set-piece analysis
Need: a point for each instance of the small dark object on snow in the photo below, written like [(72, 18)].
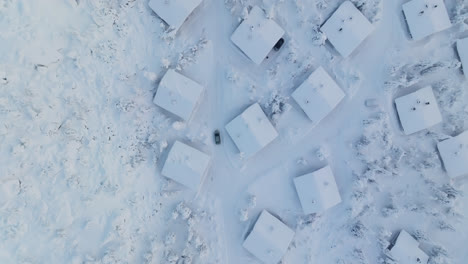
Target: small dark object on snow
[(279, 44), (217, 137)]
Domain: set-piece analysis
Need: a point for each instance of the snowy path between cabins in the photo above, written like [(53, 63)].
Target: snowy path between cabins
[(82, 143)]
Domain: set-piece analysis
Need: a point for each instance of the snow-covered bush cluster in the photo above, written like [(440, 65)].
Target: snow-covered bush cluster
[(372, 9)]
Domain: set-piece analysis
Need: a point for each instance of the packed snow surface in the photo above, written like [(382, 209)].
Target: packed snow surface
[(83, 146)]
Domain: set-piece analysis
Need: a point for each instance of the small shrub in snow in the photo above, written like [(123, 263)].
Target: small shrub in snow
[(460, 13), (389, 210), (183, 210), (322, 153), (359, 256), (276, 105), (444, 226), (372, 9), (190, 55), (243, 215), (445, 194), (358, 229), (252, 201), (384, 239), (438, 255), (170, 239), (306, 220), (404, 75), (318, 37)]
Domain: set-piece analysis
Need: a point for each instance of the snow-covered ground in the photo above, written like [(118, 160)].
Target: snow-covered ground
[(83, 144)]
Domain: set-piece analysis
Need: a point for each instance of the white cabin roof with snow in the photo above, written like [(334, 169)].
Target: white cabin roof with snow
[(186, 165), (317, 191), (418, 110), (406, 250), (178, 94), (462, 48), (251, 131), (269, 239), (318, 95), (257, 35), (347, 28), (454, 153), (426, 17), (174, 12)]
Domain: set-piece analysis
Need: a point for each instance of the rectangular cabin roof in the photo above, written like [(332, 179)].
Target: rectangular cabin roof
[(347, 28), (454, 154), (257, 35), (178, 94), (317, 191), (418, 110), (174, 12), (318, 95), (426, 17), (269, 239), (186, 165), (251, 131)]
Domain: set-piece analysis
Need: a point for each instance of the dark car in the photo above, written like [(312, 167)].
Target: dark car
[(217, 137), (279, 44)]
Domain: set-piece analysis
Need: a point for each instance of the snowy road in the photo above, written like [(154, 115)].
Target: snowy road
[(82, 142)]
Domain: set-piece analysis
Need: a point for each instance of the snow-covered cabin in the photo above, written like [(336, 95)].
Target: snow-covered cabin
[(347, 28), (178, 94), (418, 110), (257, 35), (318, 95), (462, 48), (251, 131), (426, 17), (186, 165), (317, 191), (406, 250), (454, 154), (269, 239), (174, 12)]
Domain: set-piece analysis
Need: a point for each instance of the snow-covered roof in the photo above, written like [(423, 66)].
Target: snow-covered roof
[(257, 35), (251, 131), (318, 95), (454, 153), (406, 250), (462, 47), (174, 12), (347, 28), (178, 94), (186, 165), (269, 239), (317, 191), (418, 110), (426, 17)]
